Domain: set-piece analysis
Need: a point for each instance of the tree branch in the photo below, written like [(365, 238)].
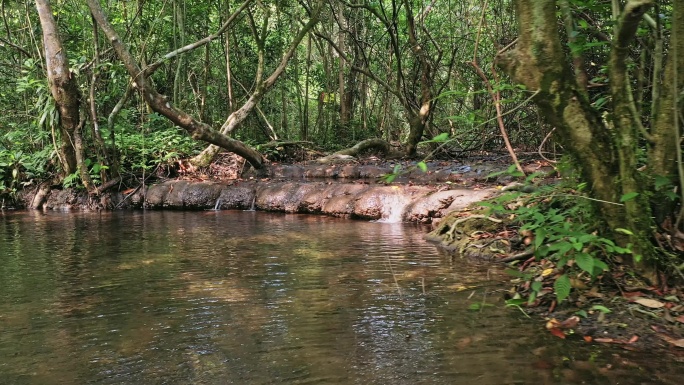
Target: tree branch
[(160, 103)]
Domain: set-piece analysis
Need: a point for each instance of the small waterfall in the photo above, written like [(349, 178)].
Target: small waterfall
[(253, 207), (393, 207), (217, 206)]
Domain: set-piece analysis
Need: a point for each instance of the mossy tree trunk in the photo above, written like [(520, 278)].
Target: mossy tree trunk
[(605, 149)]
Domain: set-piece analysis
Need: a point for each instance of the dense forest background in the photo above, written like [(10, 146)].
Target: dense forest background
[(94, 93), (352, 75)]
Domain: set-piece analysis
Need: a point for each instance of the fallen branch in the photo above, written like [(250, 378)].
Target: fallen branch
[(379, 144)]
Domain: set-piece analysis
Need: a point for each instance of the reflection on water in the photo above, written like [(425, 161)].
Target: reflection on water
[(226, 297)]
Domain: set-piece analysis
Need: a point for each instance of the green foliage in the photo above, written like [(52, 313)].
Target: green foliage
[(559, 223), (143, 151)]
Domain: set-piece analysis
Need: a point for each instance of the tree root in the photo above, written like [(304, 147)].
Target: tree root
[(378, 144)]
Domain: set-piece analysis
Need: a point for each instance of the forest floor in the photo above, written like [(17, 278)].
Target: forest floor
[(615, 308)]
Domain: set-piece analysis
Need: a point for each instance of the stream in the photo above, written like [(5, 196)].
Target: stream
[(239, 297)]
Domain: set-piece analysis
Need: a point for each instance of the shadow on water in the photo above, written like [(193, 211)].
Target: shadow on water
[(238, 297)]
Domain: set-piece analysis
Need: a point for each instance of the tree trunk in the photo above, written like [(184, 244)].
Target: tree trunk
[(604, 152), (263, 86), (160, 103), (66, 95), (664, 132)]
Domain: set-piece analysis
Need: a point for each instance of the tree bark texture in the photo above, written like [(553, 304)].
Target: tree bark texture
[(67, 97), (604, 150), (62, 85)]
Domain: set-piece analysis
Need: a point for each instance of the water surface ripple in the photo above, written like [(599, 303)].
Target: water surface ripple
[(228, 297)]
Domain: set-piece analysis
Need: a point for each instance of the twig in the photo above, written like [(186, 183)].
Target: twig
[(389, 263), (495, 95), (518, 257), (542, 145)]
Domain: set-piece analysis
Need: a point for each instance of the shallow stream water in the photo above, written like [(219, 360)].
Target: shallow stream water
[(230, 297)]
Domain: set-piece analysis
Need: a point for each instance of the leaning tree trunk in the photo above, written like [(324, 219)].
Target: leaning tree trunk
[(161, 104), (66, 94), (236, 118), (604, 151)]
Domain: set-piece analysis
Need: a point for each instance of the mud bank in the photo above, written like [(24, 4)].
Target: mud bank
[(396, 203)]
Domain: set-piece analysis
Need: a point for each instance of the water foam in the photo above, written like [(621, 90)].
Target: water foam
[(393, 207)]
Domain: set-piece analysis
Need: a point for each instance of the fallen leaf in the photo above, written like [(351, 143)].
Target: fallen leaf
[(634, 339), (676, 342), (680, 319), (570, 322), (552, 323), (557, 332), (578, 284), (604, 340), (651, 303), (588, 338), (594, 293), (547, 272), (632, 294)]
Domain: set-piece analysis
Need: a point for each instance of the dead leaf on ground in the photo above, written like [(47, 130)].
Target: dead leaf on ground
[(557, 332), (676, 342), (604, 340), (651, 303)]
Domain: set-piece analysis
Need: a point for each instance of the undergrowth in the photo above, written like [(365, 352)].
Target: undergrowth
[(557, 226)]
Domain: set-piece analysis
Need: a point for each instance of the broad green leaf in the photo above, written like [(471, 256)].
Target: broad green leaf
[(661, 181), (585, 262), (600, 266), (562, 287), (422, 166), (629, 196)]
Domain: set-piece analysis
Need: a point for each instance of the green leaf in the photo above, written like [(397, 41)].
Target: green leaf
[(661, 181), (388, 178), (562, 287), (623, 231), (539, 237), (422, 166), (600, 308), (536, 286), (518, 274), (629, 196), (599, 267), (585, 262), (515, 301), (582, 313)]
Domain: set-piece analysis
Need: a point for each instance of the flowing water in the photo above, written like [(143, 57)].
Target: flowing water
[(228, 297)]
